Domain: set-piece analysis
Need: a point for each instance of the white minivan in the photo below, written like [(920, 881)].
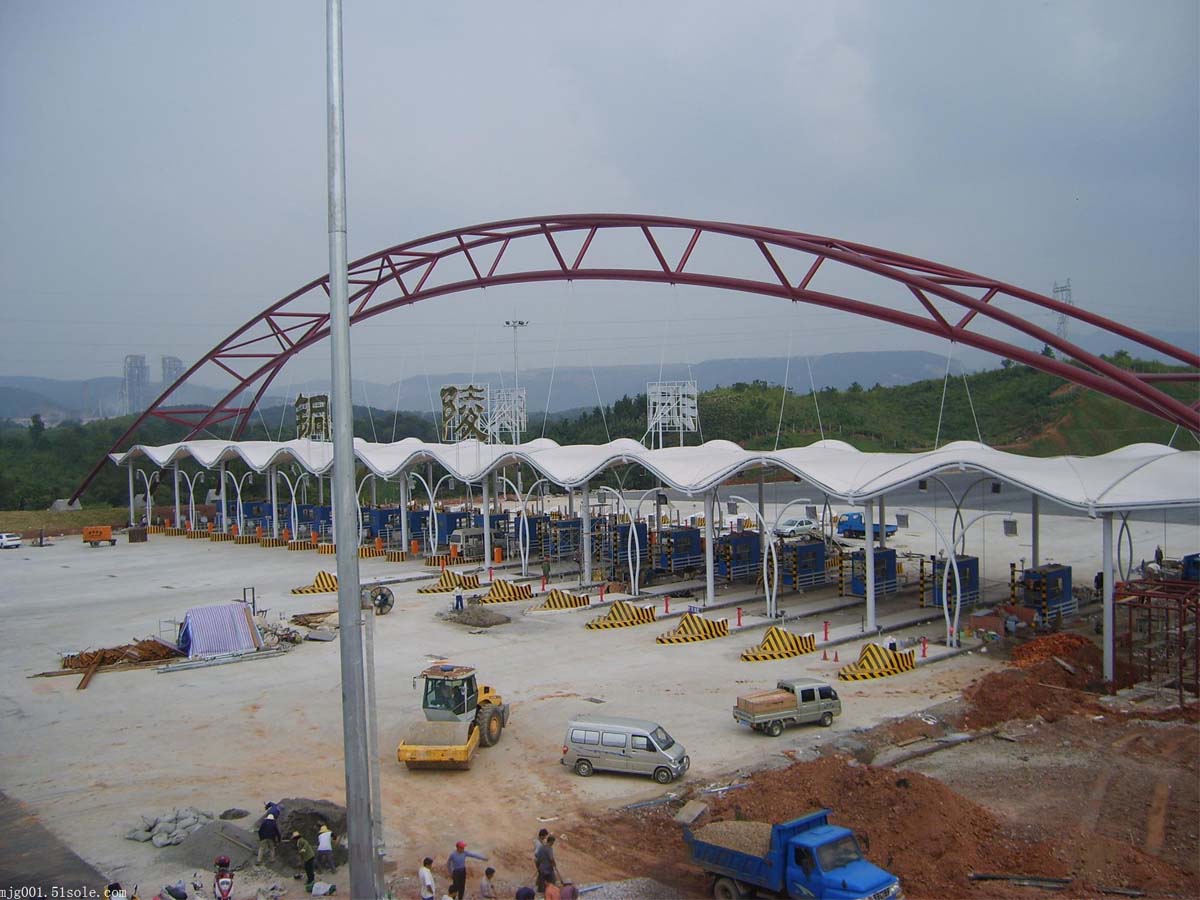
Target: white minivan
[(10, 541), (615, 744)]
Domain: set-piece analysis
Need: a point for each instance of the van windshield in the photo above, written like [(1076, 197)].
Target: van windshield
[(664, 740)]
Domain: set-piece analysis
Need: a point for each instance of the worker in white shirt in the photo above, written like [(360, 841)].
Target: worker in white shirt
[(425, 877)]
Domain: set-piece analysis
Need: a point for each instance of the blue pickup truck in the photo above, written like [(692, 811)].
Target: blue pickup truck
[(851, 525), (807, 858)]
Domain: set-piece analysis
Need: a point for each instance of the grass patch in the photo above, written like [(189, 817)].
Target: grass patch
[(67, 521)]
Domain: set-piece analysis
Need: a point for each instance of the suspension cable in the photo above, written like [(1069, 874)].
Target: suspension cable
[(787, 370), (367, 400), (941, 409), (970, 402), (812, 386), (396, 411), (603, 418), (554, 364), (429, 391)]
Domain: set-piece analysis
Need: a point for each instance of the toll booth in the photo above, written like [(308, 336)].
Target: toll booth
[(886, 581), (449, 522), (501, 522), (378, 521), (737, 555), (679, 548), (802, 564), (564, 538), (968, 576), (611, 547), (255, 514), (539, 533), (1047, 589)]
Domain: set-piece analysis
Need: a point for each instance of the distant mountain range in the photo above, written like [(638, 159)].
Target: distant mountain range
[(565, 388)]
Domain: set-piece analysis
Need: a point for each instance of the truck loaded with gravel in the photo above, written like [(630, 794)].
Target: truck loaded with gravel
[(806, 857)]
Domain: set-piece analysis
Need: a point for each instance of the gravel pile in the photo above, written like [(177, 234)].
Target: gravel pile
[(169, 828), (476, 617), (631, 889), (747, 837)]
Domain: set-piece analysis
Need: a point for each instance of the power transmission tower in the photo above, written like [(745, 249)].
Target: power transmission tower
[(1062, 293)]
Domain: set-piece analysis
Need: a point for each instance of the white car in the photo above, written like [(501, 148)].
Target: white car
[(9, 540), (794, 527)]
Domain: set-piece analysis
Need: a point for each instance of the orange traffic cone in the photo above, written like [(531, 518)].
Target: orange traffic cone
[(824, 656), (835, 656)]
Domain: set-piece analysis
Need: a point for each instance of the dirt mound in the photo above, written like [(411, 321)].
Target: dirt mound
[(914, 826), (307, 816), (1060, 645), (476, 617)]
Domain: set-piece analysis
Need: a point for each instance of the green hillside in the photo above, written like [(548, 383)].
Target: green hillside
[(1016, 408)]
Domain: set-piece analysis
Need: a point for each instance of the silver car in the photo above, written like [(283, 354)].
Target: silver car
[(9, 540), (616, 744)]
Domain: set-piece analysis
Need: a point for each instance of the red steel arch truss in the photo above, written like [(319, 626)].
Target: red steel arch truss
[(951, 303)]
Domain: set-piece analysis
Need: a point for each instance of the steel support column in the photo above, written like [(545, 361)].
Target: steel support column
[(869, 516), (710, 579), (585, 530), (404, 501), (882, 523), (224, 507), (131, 519), (274, 476), (485, 502), (1035, 533), (1106, 553), (764, 537)]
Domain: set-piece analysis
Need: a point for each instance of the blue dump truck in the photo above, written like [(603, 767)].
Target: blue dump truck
[(851, 525), (806, 857)]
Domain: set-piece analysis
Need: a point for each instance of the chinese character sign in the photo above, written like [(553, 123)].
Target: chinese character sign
[(464, 411), (312, 418)]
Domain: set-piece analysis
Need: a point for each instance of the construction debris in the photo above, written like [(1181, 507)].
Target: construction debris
[(315, 619), (146, 650)]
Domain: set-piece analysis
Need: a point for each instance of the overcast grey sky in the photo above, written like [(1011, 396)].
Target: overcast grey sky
[(162, 164)]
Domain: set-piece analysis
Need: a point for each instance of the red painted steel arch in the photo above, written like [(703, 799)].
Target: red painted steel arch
[(479, 256)]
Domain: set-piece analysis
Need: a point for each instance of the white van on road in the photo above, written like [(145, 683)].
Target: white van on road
[(615, 744)]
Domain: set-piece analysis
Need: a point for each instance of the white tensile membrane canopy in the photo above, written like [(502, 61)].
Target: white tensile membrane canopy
[(1140, 476)]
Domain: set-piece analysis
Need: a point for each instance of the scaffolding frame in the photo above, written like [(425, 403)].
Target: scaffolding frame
[(1160, 636)]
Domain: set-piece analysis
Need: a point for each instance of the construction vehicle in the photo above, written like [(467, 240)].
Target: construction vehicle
[(98, 534), (806, 857), (459, 717), (851, 525)]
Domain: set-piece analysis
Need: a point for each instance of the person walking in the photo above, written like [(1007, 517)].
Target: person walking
[(458, 598), (307, 857), (268, 838), (537, 856), (325, 849), (456, 866), (546, 569), (547, 867), (486, 891), (425, 879)]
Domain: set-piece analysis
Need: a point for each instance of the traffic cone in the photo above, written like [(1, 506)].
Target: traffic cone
[(824, 656), (835, 656)]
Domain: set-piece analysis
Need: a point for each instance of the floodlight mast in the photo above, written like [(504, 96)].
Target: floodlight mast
[(364, 868)]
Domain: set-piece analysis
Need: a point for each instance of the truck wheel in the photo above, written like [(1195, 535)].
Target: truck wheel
[(583, 768), (725, 889), (662, 775), (490, 726), (826, 719), (775, 729)]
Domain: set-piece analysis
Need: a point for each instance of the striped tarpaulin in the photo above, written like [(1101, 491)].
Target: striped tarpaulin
[(228, 628)]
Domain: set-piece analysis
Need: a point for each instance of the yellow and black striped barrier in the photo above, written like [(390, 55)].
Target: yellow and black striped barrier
[(272, 542), (559, 599), (369, 552), (324, 583), (175, 532), (198, 535), (156, 529), (244, 539), (439, 559), (506, 592), (778, 643), (693, 628), (327, 549), (623, 614), (301, 545), (875, 661), (449, 581), (220, 536), (397, 556)]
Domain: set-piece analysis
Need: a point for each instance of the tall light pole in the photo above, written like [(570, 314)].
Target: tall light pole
[(514, 324)]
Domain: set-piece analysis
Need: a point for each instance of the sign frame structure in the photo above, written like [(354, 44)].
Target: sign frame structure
[(508, 416), (671, 407), (314, 421), (465, 411)]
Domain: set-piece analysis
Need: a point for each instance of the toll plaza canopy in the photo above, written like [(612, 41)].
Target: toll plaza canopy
[(1140, 476)]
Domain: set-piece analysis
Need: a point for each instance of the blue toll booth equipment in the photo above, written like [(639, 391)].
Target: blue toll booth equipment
[(623, 531), (449, 522), (968, 574), (1048, 590), (564, 537), (678, 549), (802, 564), (885, 572), (1191, 567), (738, 555)]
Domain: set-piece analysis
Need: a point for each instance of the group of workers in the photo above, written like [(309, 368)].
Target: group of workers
[(550, 883), (270, 837)]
